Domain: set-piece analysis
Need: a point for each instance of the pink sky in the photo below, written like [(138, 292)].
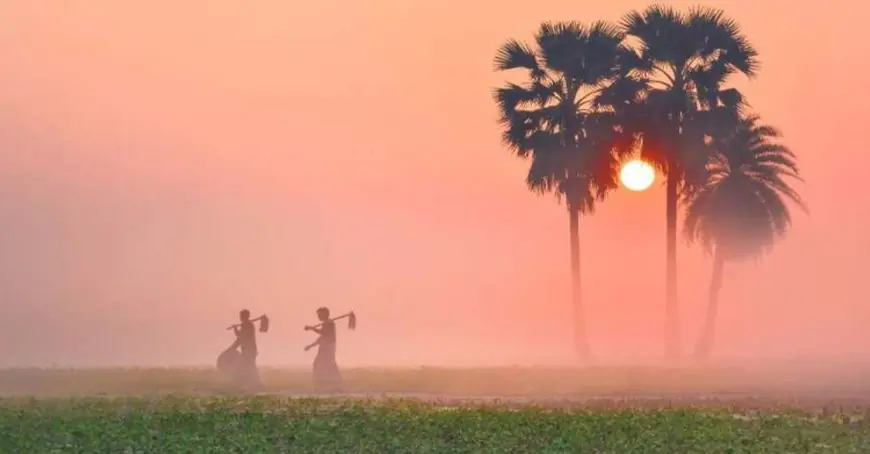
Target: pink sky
[(164, 164)]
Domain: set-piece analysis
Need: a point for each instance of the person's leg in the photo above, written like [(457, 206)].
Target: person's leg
[(240, 369), (254, 373), (337, 384), (248, 376), (318, 376)]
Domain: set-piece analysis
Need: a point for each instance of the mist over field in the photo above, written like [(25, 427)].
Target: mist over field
[(164, 165)]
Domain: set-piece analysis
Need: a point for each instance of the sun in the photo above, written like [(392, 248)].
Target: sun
[(637, 175)]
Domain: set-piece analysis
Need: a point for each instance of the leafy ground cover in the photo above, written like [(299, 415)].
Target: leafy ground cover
[(433, 410), (273, 424)]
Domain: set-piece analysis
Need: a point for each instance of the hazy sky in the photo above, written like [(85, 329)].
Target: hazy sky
[(164, 164)]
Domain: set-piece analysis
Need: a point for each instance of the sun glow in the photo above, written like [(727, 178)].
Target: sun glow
[(637, 175)]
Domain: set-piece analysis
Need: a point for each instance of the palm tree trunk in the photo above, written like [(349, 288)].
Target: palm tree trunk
[(672, 313), (581, 343), (708, 333)]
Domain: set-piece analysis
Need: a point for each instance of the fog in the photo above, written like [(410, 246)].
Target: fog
[(165, 164)]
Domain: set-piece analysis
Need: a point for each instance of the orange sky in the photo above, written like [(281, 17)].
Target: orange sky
[(163, 164)]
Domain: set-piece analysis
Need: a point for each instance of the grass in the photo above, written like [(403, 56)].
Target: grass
[(540, 411), (267, 424)]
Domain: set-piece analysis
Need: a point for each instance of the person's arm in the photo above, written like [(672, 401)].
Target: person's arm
[(313, 344), (238, 342), (314, 328)]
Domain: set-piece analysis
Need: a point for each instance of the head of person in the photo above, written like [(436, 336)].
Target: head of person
[(323, 314), (244, 315)]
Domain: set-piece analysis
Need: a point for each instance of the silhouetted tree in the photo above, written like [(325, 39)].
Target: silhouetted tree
[(685, 58), (741, 209), (556, 117)]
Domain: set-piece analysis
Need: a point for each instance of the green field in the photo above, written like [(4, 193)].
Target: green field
[(594, 411), (274, 424)]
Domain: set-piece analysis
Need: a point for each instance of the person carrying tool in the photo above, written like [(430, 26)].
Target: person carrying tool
[(246, 373), (327, 377)]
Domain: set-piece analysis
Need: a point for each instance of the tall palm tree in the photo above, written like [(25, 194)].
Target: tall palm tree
[(556, 118), (685, 59), (741, 210)]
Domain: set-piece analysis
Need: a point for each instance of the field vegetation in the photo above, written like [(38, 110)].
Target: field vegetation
[(432, 410)]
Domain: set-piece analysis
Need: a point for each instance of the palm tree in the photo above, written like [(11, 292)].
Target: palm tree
[(557, 118), (741, 210), (685, 59)]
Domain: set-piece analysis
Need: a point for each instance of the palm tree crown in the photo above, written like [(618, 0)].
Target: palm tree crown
[(556, 117), (685, 60), (742, 208)]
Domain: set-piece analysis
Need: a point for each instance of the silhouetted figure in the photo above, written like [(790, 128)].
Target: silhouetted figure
[(327, 378), (246, 373)]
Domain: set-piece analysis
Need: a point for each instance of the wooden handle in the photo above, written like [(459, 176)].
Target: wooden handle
[(334, 319), (239, 324)]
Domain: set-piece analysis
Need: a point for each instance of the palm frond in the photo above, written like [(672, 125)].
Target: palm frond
[(731, 98), (724, 37), (513, 97), (708, 81), (623, 92), (778, 157), (515, 55), (558, 42), (654, 26)]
